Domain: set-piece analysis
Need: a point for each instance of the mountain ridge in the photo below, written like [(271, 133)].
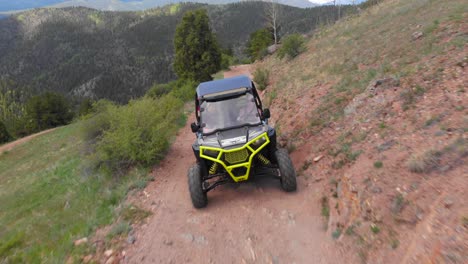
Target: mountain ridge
[(123, 5), (118, 55)]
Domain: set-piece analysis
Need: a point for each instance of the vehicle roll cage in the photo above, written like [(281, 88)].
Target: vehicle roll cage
[(231, 91)]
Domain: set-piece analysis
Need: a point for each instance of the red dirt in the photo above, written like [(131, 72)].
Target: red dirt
[(11, 145), (254, 222), (239, 70)]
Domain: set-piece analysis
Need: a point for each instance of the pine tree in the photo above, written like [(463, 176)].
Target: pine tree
[(258, 43), (197, 52), (47, 110), (4, 135)]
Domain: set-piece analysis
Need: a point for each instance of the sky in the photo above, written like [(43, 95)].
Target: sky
[(337, 1)]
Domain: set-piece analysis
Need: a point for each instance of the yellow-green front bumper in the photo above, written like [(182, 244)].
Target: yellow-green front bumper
[(238, 161)]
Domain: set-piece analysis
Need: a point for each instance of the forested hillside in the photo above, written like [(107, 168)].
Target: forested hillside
[(82, 52)]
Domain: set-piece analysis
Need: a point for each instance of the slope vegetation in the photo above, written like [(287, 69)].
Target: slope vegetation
[(382, 101), (50, 198)]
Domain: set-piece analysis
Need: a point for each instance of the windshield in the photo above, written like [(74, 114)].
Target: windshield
[(234, 112)]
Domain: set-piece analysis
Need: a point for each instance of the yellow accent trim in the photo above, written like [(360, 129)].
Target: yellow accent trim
[(246, 165)]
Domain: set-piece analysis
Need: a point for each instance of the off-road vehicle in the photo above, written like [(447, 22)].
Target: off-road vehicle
[(234, 142)]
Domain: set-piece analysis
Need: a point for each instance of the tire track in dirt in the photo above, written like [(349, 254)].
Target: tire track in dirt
[(254, 222)]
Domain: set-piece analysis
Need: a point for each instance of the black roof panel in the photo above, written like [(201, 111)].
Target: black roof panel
[(222, 85)]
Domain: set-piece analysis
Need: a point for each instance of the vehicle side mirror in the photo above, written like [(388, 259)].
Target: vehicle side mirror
[(266, 113), (194, 127)]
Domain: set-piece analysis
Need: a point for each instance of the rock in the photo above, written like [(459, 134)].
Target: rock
[(272, 49), (420, 215), (318, 179), (131, 239), (81, 241), (111, 260), (108, 253), (168, 242), (318, 158), (417, 35), (445, 168), (188, 237), (201, 240), (386, 83), (448, 202), (386, 146), (376, 189)]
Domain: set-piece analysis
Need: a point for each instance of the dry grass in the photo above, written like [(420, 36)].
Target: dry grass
[(424, 162), (375, 44)]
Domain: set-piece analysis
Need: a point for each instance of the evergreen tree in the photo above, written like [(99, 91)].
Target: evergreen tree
[(258, 43), (4, 135), (47, 110), (197, 52)]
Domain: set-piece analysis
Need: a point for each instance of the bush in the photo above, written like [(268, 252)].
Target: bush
[(94, 126), (261, 77), (86, 107), (292, 46), (135, 134), (158, 90), (4, 135), (424, 162), (182, 89), (226, 61)]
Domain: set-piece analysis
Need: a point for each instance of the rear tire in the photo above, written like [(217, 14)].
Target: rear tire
[(198, 196), (288, 175)]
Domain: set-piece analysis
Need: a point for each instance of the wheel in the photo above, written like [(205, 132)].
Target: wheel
[(288, 175), (199, 197)]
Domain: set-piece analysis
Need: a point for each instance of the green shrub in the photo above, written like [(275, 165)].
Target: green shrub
[(378, 164), (94, 126), (261, 77), (4, 135), (158, 90), (226, 61), (135, 134), (292, 46), (182, 89), (86, 107)]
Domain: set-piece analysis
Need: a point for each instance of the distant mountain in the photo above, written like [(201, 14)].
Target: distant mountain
[(121, 5), (338, 2), (118, 55)]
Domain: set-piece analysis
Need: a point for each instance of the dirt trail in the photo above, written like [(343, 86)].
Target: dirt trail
[(11, 145), (254, 222)]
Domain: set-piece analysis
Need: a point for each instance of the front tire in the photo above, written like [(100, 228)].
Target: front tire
[(198, 196), (288, 175)]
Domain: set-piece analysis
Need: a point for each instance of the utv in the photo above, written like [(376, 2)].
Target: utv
[(233, 140)]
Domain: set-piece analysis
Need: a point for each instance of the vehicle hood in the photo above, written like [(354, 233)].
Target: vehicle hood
[(232, 138)]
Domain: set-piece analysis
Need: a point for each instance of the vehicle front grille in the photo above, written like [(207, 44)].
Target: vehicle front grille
[(236, 156), (239, 171)]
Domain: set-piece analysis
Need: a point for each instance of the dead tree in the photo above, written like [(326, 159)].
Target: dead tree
[(272, 14)]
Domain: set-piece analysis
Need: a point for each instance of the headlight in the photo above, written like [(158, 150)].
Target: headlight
[(257, 143)]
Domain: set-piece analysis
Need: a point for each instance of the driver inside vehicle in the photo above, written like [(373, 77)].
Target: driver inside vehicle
[(247, 110)]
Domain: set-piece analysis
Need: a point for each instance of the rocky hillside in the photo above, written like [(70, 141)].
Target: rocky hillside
[(118, 55), (383, 133)]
